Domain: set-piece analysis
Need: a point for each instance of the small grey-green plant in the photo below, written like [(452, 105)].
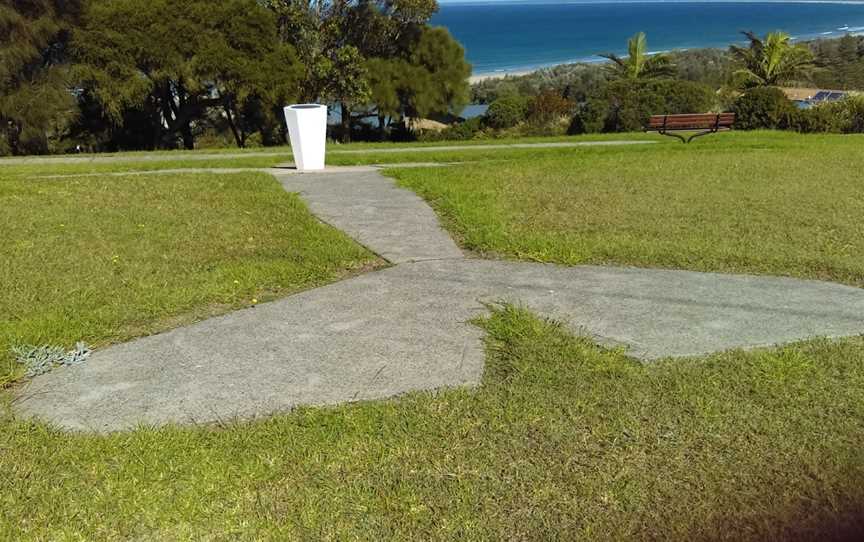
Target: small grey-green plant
[(41, 359)]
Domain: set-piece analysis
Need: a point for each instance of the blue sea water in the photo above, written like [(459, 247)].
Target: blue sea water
[(509, 36)]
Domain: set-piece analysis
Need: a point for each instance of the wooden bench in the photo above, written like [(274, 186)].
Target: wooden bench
[(703, 123)]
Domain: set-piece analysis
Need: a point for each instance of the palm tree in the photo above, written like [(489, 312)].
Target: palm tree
[(772, 61), (639, 64)]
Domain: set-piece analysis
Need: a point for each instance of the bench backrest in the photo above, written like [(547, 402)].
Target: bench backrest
[(699, 121)]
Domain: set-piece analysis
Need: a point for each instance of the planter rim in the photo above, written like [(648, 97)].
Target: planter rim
[(306, 106)]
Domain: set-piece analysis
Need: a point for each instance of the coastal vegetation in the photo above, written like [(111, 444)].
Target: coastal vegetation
[(770, 62), (620, 96), (639, 64), (118, 74), (108, 75)]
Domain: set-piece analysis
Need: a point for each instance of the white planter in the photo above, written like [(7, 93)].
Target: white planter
[(307, 129)]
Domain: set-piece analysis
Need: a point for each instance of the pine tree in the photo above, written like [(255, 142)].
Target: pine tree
[(36, 98)]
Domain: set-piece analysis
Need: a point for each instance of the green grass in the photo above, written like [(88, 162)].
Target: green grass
[(50, 169), (765, 203), (271, 156), (104, 259), (563, 441)]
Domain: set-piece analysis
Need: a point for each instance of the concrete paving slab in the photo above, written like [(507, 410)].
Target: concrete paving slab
[(407, 328), (391, 221)]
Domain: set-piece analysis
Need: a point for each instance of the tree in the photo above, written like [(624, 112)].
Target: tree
[(506, 112), (430, 77), (177, 61), (639, 64), (35, 93), (374, 57), (772, 61), (763, 108)]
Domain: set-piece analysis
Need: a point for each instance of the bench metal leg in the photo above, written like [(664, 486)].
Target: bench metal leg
[(700, 134), (679, 136)]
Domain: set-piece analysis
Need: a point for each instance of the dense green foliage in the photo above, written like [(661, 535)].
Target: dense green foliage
[(506, 112), (626, 105), (35, 104), (375, 58), (772, 61), (179, 74), (763, 108), (839, 63), (167, 74), (769, 62), (172, 62), (639, 64), (844, 117), (430, 78)]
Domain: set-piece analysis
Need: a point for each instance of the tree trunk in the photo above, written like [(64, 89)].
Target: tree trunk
[(346, 123), (188, 137), (238, 136), (14, 137), (382, 127)]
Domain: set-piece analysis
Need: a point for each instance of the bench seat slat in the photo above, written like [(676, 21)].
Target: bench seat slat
[(705, 123)]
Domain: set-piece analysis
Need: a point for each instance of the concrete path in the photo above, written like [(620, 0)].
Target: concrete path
[(394, 222), (333, 149), (551, 145), (407, 327)]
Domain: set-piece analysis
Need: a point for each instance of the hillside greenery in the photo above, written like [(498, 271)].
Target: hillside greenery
[(107, 75)]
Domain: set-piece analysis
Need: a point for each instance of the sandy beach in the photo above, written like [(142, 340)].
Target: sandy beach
[(498, 75)]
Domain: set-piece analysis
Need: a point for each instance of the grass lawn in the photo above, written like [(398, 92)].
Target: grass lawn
[(767, 203), (104, 259), (341, 155), (564, 441), (51, 169)]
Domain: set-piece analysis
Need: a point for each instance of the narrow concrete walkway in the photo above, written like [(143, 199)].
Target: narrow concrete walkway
[(407, 327), (394, 222), (286, 151)]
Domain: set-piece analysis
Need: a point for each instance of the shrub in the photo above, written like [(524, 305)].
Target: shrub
[(852, 120), (506, 112), (819, 119), (764, 108), (843, 117), (549, 107), (625, 106), (470, 129)]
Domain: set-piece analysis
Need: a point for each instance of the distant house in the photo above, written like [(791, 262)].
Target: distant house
[(432, 123), (440, 122), (808, 97)]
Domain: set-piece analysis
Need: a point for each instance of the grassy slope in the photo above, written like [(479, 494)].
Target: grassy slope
[(563, 441), (39, 171), (103, 259), (271, 156), (757, 203)]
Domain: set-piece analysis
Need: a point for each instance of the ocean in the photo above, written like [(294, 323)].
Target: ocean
[(515, 36)]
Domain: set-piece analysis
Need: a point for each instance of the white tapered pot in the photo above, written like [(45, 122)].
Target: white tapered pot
[(307, 129)]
